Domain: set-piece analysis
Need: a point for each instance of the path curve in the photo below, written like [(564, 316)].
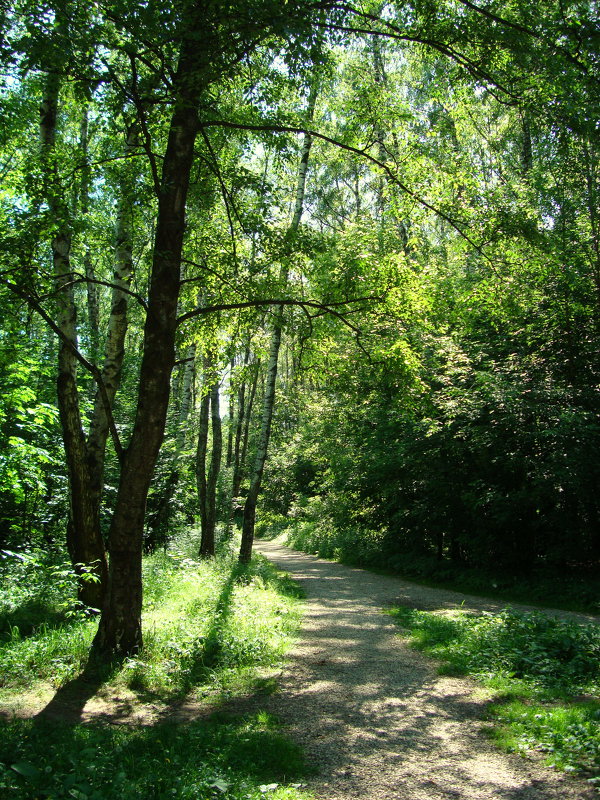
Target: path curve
[(373, 715)]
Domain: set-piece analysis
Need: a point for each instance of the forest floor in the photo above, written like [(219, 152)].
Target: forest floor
[(372, 715)]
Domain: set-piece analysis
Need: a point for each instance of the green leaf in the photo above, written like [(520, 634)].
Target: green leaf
[(220, 785), (26, 770)]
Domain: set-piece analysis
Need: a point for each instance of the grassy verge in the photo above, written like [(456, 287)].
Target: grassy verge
[(543, 673), (206, 625), (210, 627), (313, 532)]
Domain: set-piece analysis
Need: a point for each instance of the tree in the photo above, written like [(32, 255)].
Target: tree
[(453, 206)]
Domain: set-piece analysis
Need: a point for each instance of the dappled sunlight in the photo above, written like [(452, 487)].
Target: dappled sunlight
[(372, 714)]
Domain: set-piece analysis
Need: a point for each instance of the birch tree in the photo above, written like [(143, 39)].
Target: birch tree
[(273, 357)]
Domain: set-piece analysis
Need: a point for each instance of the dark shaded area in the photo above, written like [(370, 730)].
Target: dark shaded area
[(223, 757), (70, 699)]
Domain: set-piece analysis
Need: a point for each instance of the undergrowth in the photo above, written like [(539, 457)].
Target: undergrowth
[(243, 758), (206, 624), (312, 529), (544, 673), (209, 628)]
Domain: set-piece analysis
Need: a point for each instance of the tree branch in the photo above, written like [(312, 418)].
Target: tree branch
[(80, 278), (363, 153), (324, 307), (33, 303), (217, 172)]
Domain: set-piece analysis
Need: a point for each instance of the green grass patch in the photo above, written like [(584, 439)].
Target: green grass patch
[(207, 624), (544, 673), (209, 628), (45, 634), (210, 623), (244, 758)]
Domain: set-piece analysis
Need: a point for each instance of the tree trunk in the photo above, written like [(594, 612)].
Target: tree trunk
[(239, 427), (239, 452), (231, 412), (242, 428), (120, 630), (158, 524), (263, 446), (93, 301), (201, 451), (114, 350), (207, 546), (83, 541), (269, 396), (246, 432)]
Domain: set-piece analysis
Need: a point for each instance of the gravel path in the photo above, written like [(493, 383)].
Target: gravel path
[(372, 713)]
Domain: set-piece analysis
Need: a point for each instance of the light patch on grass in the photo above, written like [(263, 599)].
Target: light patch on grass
[(209, 622), (206, 624), (210, 626)]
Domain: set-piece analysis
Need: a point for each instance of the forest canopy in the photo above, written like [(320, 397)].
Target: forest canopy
[(336, 261)]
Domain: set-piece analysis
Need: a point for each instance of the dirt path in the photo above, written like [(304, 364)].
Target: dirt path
[(373, 715)]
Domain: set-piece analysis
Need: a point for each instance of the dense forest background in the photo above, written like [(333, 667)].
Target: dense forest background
[(340, 262)]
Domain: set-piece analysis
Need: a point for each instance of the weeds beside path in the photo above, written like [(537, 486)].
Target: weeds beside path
[(374, 716)]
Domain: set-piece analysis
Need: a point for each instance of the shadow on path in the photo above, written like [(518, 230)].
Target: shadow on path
[(374, 716), (371, 714)]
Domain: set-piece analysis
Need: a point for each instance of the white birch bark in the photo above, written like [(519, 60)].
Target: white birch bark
[(114, 350), (92, 293), (83, 539)]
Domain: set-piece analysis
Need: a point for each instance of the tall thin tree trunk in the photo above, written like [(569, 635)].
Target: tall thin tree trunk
[(207, 545), (83, 541), (271, 378), (159, 521), (114, 349), (93, 300), (246, 431), (263, 446), (201, 483), (231, 413), (236, 478), (242, 428)]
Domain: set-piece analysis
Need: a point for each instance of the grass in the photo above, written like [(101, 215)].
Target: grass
[(206, 624), (243, 758), (543, 672), (209, 629)]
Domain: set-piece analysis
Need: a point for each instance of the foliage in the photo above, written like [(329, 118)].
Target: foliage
[(37, 588), (544, 672), (437, 396), (232, 758), (213, 624), (32, 480)]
